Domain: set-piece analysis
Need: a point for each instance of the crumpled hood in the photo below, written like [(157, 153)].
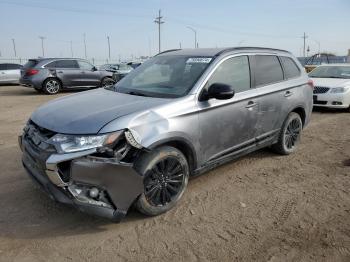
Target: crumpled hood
[(331, 82), (88, 112)]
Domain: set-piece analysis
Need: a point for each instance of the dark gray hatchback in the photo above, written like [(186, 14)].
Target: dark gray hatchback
[(50, 75)]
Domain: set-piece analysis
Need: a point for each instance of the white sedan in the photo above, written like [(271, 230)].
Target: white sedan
[(332, 85)]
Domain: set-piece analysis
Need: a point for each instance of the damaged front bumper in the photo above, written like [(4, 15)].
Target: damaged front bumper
[(100, 186)]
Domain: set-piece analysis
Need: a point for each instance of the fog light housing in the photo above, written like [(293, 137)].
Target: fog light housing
[(336, 103)]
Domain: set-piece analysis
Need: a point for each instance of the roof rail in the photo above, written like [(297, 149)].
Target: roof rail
[(250, 47), (167, 51)]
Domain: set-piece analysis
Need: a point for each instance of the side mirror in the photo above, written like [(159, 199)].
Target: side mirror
[(94, 68), (219, 91)]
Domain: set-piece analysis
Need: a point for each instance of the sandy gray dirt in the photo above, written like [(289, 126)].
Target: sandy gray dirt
[(262, 207)]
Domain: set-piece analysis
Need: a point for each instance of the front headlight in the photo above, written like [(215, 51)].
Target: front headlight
[(339, 90), (74, 143)]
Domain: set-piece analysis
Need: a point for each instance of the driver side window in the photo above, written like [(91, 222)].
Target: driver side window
[(234, 72), (85, 65)]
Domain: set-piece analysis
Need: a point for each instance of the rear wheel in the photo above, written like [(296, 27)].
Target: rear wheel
[(52, 86), (290, 135), (166, 173)]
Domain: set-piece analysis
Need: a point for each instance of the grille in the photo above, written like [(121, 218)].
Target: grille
[(320, 90), (37, 137)]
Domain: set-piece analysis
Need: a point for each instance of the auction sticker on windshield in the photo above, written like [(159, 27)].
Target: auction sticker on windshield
[(204, 60)]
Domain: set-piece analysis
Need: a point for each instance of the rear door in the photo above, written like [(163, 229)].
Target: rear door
[(272, 90), (67, 71), (90, 77)]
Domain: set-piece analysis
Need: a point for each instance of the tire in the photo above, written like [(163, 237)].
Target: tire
[(52, 86), (107, 81), (290, 134), (166, 174)]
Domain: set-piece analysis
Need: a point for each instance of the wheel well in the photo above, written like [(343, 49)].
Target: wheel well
[(52, 77), (301, 112), (186, 150)]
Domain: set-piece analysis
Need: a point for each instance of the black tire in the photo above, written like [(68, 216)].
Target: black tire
[(166, 174), (290, 134), (107, 81), (52, 86)]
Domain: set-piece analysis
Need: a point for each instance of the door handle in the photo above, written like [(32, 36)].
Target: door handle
[(60, 72), (83, 72), (288, 93), (250, 104)]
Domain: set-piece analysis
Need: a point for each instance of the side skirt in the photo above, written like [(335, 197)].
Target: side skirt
[(260, 142)]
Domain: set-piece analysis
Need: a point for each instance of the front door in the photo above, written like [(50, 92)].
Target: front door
[(229, 125), (89, 75)]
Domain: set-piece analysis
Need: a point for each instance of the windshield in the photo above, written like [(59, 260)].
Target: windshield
[(164, 76), (331, 72)]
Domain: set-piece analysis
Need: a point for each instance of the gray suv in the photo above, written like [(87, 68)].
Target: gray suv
[(178, 115), (50, 75)]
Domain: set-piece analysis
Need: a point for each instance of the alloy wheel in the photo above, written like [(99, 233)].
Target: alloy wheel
[(292, 133), (165, 182), (52, 86)]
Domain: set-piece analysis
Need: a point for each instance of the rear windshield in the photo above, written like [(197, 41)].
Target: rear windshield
[(31, 63)]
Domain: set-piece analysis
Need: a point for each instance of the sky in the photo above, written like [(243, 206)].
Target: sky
[(132, 31)]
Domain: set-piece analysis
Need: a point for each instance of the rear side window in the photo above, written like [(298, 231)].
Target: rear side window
[(30, 64), (291, 70), (268, 70), (3, 66), (235, 72), (68, 64)]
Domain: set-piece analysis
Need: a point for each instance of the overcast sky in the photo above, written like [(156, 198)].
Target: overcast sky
[(274, 23)]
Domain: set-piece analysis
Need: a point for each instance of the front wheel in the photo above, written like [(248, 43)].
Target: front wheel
[(52, 86), (289, 135), (166, 174), (107, 82)]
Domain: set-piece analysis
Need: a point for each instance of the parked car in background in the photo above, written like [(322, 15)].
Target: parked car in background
[(10, 73), (179, 114), (332, 85), (119, 70), (50, 75)]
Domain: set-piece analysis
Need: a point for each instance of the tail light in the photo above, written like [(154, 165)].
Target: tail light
[(311, 84), (31, 72)]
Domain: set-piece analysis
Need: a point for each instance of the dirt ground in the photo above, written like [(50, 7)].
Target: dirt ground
[(262, 207)]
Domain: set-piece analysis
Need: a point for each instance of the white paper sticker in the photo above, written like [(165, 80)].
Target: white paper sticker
[(203, 60)]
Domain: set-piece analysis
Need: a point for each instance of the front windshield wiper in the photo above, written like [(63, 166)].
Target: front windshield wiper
[(135, 93)]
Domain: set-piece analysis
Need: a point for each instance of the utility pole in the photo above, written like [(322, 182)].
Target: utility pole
[(159, 22), (109, 48), (14, 46), (85, 45), (71, 47), (304, 37), (195, 35), (42, 44), (180, 45)]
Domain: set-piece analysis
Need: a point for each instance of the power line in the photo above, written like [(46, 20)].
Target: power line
[(159, 22)]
